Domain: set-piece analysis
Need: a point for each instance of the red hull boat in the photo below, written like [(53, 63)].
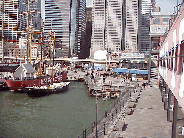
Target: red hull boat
[(19, 84)]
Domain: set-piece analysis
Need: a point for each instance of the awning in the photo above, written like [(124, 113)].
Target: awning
[(131, 71)]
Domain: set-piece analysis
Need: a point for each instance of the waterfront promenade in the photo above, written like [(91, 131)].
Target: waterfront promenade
[(147, 120)]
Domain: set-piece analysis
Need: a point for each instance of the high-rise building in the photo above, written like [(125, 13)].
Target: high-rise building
[(113, 32), (88, 31), (80, 30), (57, 17), (137, 24), (10, 19), (106, 26), (98, 26), (144, 27), (34, 16), (131, 21)]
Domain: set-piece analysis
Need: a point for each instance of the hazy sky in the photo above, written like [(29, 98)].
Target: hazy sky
[(166, 5)]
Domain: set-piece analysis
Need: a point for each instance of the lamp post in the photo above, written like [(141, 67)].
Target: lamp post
[(96, 115), (149, 64)]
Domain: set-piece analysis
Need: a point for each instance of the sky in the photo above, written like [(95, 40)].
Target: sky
[(166, 5)]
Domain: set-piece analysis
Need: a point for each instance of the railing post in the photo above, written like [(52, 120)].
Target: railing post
[(123, 102), (92, 127), (174, 123), (169, 103), (120, 107), (85, 133), (104, 129), (105, 113)]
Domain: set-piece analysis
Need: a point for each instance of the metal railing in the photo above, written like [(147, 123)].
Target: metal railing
[(104, 120)]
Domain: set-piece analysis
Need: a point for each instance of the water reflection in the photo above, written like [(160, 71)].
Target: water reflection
[(58, 115)]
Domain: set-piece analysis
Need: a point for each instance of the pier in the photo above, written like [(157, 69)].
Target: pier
[(137, 112)]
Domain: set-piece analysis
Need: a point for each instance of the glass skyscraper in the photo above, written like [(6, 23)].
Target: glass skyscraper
[(57, 17)]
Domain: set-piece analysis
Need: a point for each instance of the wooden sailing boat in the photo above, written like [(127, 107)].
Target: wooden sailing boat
[(24, 76)]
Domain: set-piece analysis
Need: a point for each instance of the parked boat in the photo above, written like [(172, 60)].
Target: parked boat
[(3, 86), (106, 98), (24, 76), (36, 91), (60, 87), (8, 67)]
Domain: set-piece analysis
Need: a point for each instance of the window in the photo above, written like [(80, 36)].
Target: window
[(181, 58), (156, 21), (165, 20), (176, 57)]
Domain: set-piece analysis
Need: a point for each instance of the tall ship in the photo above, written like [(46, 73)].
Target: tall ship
[(25, 76)]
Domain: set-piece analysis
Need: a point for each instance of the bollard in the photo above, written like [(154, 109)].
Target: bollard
[(116, 111), (112, 116)]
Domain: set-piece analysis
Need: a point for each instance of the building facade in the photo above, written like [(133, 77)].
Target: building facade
[(144, 35), (57, 17), (131, 32), (137, 23), (88, 31), (10, 19), (171, 76), (80, 31), (106, 26), (113, 32), (98, 26)]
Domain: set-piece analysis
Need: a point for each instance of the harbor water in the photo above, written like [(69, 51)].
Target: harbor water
[(63, 115)]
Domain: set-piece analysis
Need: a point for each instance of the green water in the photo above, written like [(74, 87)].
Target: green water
[(63, 115)]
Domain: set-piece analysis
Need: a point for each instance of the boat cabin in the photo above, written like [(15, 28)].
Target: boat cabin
[(24, 71)]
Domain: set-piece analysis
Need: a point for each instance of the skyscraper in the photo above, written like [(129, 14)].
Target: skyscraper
[(34, 15), (98, 26), (10, 19), (107, 26), (144, 34), (57, 17), (131, 32), (80, 29), (113, 33), (88, 31), (137, 24)]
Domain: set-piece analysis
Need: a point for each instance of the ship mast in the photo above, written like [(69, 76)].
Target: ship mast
[(27, 31), (3, 31), (51, 43)]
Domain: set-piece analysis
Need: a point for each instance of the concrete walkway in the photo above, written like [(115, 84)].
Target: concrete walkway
[(148, 119)]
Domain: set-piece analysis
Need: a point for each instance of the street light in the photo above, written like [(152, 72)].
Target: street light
[(96, 115)]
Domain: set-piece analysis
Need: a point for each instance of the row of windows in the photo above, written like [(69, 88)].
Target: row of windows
[(169, 61)]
